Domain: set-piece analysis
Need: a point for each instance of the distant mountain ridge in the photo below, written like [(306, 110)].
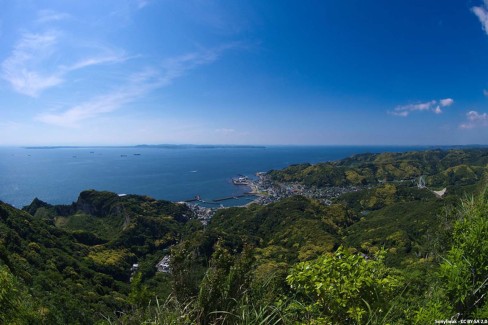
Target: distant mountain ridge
[(162, 146)]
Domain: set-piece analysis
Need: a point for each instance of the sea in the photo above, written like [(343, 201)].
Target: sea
[(176, 173)]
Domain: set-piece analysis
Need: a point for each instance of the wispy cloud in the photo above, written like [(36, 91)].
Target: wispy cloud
[(482, 13), (102, 104), (475, 119), (46, 16), (142, 3), (225, 131), (135, 87), (29, 68), (434, 106), (29, 51), (109, 58)]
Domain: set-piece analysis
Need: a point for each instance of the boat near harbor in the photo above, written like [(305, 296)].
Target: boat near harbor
[(241, 180)]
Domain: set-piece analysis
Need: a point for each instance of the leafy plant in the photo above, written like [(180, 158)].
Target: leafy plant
[(465, 268), (345, 287)]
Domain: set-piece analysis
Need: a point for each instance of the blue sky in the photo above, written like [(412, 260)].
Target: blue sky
[(243, 72)]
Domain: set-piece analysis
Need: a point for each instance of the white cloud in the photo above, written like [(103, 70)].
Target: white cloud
[(482, 13), (405, 110), (99, 105), (29, 69), (400, 113), (136, 86), (446, 102), (18, 70), (434, 106), (109, 58), (475, 119), (475, 116)]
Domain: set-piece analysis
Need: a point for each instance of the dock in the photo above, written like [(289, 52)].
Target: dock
[(215, 201), (235, 197)]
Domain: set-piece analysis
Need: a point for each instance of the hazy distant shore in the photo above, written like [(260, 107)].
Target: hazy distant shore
[(155, 146)]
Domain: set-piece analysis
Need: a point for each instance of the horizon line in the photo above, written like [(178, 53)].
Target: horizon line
[(210, 145)]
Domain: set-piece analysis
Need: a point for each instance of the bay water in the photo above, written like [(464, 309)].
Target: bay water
[(58, 175)]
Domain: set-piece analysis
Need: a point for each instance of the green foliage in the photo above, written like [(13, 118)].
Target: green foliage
[(84, 275), (157, 312), (465, 268), (400, 228), (70, 264), (138, 295), (320, 175), (296, 226), (249, 312), (459, 289), (344, 287), (16, 306), (444, 167), (188, 266), (110, 261), (382, 196), (457, 175), (225, 282)]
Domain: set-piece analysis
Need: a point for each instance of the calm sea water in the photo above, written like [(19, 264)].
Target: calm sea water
[(58, 175)]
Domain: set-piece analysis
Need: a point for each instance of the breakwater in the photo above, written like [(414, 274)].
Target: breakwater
[(217, 200)]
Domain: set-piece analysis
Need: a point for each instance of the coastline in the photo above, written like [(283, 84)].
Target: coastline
[(158, 172)]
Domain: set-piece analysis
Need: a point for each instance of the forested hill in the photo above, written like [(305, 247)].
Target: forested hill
[(389, 252), (441, 167), (73, 262)]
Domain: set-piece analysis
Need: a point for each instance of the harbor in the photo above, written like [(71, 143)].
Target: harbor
[(205, 209), (221, 199)]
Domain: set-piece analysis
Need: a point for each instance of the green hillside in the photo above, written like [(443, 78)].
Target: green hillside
[(81, 255), (389, 253), (442, 167)]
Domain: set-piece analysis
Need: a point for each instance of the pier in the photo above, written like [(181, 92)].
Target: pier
[(229, 198), (241, 180), (215, 201)]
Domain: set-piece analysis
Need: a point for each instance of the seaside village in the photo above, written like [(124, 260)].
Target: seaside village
[(263, 190)]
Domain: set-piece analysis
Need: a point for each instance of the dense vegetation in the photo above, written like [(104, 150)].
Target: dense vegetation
[(76, 259), (441, 167), (390, 253)]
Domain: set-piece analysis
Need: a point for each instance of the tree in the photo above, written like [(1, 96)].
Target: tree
[(225, 283), (343, 287)]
